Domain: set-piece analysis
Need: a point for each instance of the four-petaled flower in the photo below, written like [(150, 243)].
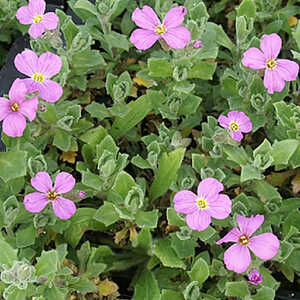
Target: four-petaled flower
[(176, 36), (14, 110), (277, 70), (36, 202), (237, 257), (237, 122), (206, 204), (255, 277), (40, 69), (34, 14)]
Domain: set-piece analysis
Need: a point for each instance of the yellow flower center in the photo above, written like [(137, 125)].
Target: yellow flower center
[(244, 239), (160, 29), (37, 19), (15, 107), (271, 63), (39, 77), (52, 195), (202, 204), (234, 126)]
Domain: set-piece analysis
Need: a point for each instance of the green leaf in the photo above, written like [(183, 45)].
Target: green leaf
[(202, 70), (62, 140), (146, 287), (143, 240), (91, 180), (295, 158), (283, 150), (83, 285), (250, 172), (183, 248), (160, 67), (163, 250), (236, 154), (147, 219), (173, 217), (8, 255), (199, 271), (97, 110), (86, 5), (87, 61), (47, 263), (237, 289), (264, 293), (106, 214), (138, 110), (166, 172), (13, 164), (25, 237), (170, 295), (265, 190), (123, 183), (247, 8), (94, 136), (117, 40), (198, 161)]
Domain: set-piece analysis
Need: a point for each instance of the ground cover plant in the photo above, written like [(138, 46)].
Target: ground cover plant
[(152, 152)]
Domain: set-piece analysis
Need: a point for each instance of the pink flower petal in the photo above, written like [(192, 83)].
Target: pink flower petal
[(174, 17), (185, 202), (265, 246), (63, 208), (273, 82), (50, 20), (29, 108), (14, 124), (31, 85), (42, 182), (224, 121), (287, 69), (233, 116), (17, 90), (250, 225), (177, 37), (237, 258), (245, 124), (209, 189), (26, 62), (270, 45), (64, 182), (50, 90), (24, 15), (4, 108), (37, 6), (35, 202), (253, 58), (236, 135), (143, 39), (231, 236), (145, 18), (199, 220), (221, 208), (49, 64), (36, 30)]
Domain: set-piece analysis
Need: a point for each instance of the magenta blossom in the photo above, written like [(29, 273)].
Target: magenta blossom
[(237, 257), (176, 36), (255, 277), (33, 14), (206, 204), (36, 202), (40, 69), (237, 122), (277, 70), (81, 194), (197, 44), (14, 110)]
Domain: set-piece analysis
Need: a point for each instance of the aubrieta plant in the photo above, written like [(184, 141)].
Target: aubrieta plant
[(144, 140)]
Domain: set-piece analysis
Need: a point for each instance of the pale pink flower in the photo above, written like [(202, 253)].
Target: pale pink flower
[(14, 110), (237, 257), (176, 36), (255, 277), (197, 44), (36, 202), (277, 70), (206, 204), (40, 69), (236, 122), (34, 14)]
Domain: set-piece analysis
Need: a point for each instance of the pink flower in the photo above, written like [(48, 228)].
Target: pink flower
[(33, 14), (206, 204), (255, 277), (81, 194), (14, 110), (237, 257), (36, 202), (176, 36), (237, 122), (197, 44), (40, 69), (277, 70)]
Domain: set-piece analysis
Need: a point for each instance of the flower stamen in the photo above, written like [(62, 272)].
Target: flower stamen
[(51, 195), (39, 77), (202, 204), (271, 63), (37, 19), (160, 29), (234, 126), (244, 239), (15, 107)]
